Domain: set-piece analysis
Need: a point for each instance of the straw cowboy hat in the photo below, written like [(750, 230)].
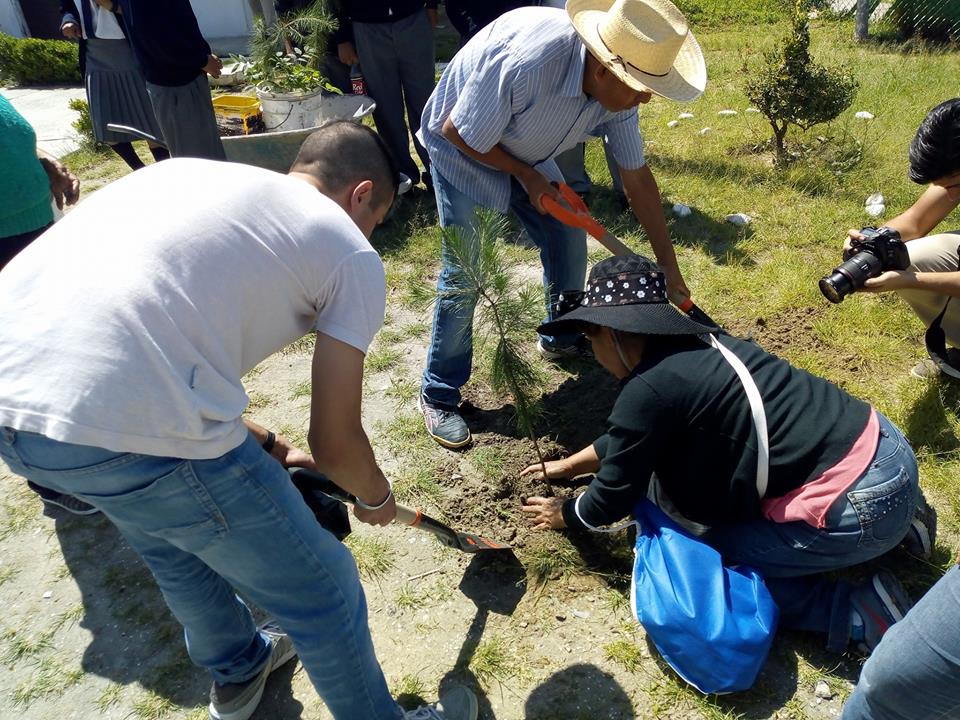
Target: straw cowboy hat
[(645, 43), (624, 292)]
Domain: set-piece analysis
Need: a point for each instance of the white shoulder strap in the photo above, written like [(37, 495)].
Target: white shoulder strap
[(759, 416)]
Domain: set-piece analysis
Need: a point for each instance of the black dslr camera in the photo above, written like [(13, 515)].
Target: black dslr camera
[(878, 251)]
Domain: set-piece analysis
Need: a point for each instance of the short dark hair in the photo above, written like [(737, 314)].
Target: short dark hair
[(341, 153), (935, 150)]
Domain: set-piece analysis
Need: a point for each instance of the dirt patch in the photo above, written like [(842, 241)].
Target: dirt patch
[(789, 330)]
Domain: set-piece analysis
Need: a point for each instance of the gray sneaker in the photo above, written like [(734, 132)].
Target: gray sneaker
[(445, 426), (927, 369), (457, 703), (237, 701), (581, 349), (922, 535)]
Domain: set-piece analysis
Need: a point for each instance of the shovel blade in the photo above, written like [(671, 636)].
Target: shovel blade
[(465, 542), (470, 543)]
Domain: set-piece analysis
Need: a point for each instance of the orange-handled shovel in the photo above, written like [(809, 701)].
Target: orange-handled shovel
[(576, 214), (573, 211)]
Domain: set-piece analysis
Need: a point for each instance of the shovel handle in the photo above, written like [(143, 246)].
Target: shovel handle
[(576, 214), (405, 515), (573, 218), (408, 516), (614, 244)]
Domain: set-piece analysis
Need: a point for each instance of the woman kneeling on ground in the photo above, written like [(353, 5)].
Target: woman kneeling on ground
[(842, 482)]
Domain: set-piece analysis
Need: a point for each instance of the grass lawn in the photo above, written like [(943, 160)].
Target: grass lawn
[(758, 280)]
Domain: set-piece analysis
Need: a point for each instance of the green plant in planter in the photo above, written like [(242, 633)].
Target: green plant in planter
[(285, 57), (791, 89), (507, 314)]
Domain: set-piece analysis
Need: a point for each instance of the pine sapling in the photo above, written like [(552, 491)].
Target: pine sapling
[(507, 314)]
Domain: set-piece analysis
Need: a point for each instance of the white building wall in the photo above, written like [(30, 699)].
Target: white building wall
[(221, 18), (11, 18)]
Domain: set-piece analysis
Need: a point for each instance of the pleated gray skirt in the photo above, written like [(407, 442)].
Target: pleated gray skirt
[(116, 91)]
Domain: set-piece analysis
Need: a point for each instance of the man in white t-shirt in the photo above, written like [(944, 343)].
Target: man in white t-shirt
[(120, 382)]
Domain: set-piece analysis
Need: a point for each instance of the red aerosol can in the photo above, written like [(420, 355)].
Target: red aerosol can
[(357, 81)]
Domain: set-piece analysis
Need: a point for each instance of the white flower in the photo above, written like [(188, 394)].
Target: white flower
[(641, 294), (752, 110), (739, 219), (705, 130), (864, 115), (609, 283), (607, 298), (727, 113), (681, 210), (626, 285), (685, 116), (643, 281), (673, 123)]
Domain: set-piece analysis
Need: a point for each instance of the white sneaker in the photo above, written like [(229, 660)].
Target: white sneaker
[(457, 703)]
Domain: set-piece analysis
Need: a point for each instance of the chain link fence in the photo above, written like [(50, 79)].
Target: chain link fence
[(936, 20)]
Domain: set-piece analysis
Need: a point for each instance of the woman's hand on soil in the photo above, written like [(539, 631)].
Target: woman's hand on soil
[(556, 470), (545, 513)]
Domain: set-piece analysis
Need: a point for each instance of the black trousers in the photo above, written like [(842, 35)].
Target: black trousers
[(10, 246)]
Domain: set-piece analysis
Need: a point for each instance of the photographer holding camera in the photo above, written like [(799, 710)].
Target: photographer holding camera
[(932, 279)]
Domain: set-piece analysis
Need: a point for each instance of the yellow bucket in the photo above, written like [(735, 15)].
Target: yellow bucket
[(235, 106), (238, 113)]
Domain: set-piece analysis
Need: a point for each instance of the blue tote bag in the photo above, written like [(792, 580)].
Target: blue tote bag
[(712, 624)]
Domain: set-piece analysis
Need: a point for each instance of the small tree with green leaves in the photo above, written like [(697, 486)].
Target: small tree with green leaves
[(285, 56), (791, 89), (507, 313)]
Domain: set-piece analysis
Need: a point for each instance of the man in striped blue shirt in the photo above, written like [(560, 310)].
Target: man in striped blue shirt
[(530, 85)]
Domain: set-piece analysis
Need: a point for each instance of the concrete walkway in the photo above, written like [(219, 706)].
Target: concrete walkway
[(47, 110)]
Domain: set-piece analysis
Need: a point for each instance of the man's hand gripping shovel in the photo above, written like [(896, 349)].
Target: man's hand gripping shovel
[(465, 542), (572, 210)]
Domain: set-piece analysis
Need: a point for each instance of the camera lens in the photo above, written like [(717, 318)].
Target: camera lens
[(835, 286), (850, 276)]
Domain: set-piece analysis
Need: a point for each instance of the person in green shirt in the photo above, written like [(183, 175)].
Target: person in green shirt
[(29, 178), (30, 181)]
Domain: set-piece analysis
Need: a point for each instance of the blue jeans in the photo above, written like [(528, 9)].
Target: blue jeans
[(205, 527), (571, 164), (914, 673), (871, 518), (563, 253)]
